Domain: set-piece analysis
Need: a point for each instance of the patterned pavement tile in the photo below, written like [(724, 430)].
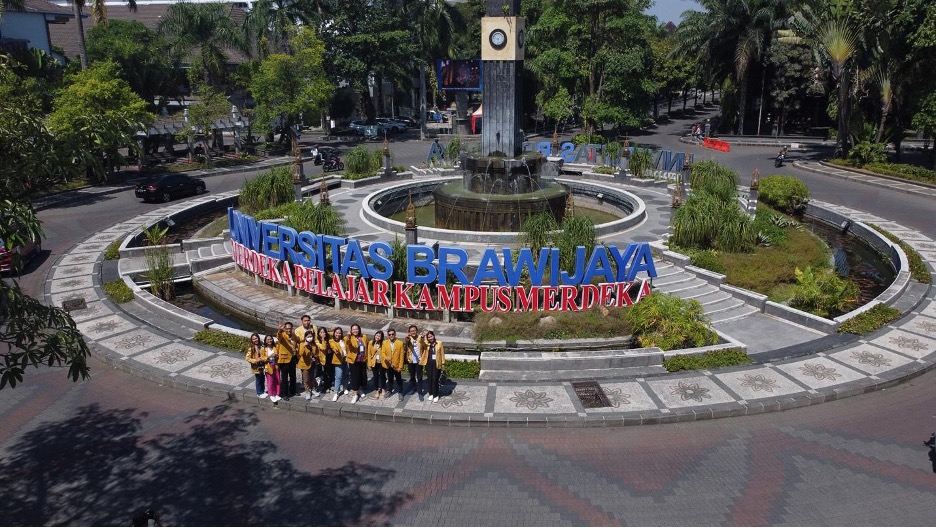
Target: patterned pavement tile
[(534, 399), (756, 383), (819, 372), (105, 238), (89, 247), (94, 310), (913, 345), (105, 327), (88, 294), (625, 397), (77, 258), (870, 360), (226, 370), (929, 309), (689, 392), (922, 325), (73, 283), (928, 255), (133, 342), (64, 272), (173, 357)]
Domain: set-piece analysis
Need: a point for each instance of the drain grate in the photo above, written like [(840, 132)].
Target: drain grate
[(591, 394)]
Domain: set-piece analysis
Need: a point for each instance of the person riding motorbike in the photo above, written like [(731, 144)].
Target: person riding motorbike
[(781, 157)]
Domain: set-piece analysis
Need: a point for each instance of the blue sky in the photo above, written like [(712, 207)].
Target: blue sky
[(669, 10)]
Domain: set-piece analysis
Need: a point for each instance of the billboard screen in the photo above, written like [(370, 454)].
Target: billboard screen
[(459, 74)]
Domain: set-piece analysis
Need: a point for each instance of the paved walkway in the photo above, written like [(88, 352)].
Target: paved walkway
[(156, 348)]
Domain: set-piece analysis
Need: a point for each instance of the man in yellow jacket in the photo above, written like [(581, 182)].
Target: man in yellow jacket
[(414, 346), (393, 350), (287, 359)]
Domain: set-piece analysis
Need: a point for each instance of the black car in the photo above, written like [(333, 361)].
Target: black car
[(165, 188)]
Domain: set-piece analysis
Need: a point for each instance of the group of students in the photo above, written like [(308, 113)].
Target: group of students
[(338, 363)]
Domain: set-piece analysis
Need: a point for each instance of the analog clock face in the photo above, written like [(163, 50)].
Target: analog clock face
[(498, 39)]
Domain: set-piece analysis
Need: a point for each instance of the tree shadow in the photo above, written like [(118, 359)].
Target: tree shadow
[(101, 467)]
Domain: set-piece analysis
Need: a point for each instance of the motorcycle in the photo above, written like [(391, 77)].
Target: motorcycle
[(778, 161), (332, 164)]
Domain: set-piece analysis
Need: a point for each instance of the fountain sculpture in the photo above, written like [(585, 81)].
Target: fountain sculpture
[(501, 187)]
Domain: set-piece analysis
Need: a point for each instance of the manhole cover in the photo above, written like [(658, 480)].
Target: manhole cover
[(590, 394)]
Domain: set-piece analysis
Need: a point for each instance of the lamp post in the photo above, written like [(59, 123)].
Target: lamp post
[(236, 119), (298, 173)]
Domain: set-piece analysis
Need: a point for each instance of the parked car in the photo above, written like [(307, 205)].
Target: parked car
[(434, 116), (165, 188), (408, 121), (25, 253), (391, 125)]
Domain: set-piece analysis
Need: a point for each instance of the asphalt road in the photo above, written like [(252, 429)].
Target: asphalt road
[(97, 452)]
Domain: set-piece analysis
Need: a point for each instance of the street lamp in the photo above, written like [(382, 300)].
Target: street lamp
[(236, 119)]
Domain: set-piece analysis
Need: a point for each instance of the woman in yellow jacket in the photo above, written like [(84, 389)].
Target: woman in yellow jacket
[(325, 371), (308, 359), (357, 361), (257, 359), (286, 348), (340, 348), (378, 362), (433, 358), (393, 350)]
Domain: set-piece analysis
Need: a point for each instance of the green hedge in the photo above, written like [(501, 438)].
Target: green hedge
[(786, 193), (217, 338), (714, 359), (113, 250), (118, 291), (869, 321), (462, 369)]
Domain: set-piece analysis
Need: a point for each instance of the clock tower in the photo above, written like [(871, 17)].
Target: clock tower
[(503, 35)]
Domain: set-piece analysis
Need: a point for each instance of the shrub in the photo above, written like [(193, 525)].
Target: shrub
[(159, 271), (269, 189), (118, 291), (903, 170), (706, 259), (771, 227), (359, 163), (823, 292), (585, 139), (786, 193), (918, 269), (537, 231), (613, 151), (453, 149), (462, 369), (668, 322), (113, 251), (576, 231), (869, 321), (713, 178), (640, 162), (604, 169), (714, 359), (866, 152), (219, 339), (707, 221), (307, 216), (512, 326)]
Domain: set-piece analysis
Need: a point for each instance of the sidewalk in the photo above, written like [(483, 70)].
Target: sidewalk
[(151, 346)]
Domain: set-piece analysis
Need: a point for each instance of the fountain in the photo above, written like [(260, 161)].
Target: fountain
[(501, 188)]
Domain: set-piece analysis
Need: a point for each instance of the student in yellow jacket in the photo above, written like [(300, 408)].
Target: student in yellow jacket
[(378, 362), (393, 351), (324, 355), (413, 348), (308, 359), (357, 362), (257, 359), (433, 358), (340, 348), (286, 348)]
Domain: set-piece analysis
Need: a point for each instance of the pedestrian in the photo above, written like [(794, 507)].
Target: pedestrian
[(288, 359), (308, 358), (357, 362), (436, 153), (413, 347), (393, 349), (271, 369), (325, 371), (378, 362), (433, 358), (257, 360), (339, 347)]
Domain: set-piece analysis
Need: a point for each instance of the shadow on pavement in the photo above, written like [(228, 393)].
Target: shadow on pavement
[(101, 467)]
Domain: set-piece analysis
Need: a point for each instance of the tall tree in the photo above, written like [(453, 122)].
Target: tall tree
[(269, 22), (199, 34), (599, 48), (200, 119), (95, 116), (98, 15)]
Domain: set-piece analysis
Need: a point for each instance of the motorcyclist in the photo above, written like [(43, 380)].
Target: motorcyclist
[(781, 157)]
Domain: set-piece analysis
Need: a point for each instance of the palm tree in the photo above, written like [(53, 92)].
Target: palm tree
[(433, 22), (98, 15), (267, 24), (200, 33), (9, 4)]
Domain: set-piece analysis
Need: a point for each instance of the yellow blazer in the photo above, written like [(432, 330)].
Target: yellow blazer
[(353, 348), (394, 353), (339, 355), (372, 349), (285, 347), (439, 355), (308, 355), (256, 357), (300, 332), (408, 347), (320, 350)]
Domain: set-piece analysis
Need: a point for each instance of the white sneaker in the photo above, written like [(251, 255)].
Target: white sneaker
[(354, 399), (308, 395), (345, 392), (435, 400), (316, 394), (263, 395), (335, 397), (274, 399)]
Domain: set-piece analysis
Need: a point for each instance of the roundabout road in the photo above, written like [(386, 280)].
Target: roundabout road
[(96, 452)]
